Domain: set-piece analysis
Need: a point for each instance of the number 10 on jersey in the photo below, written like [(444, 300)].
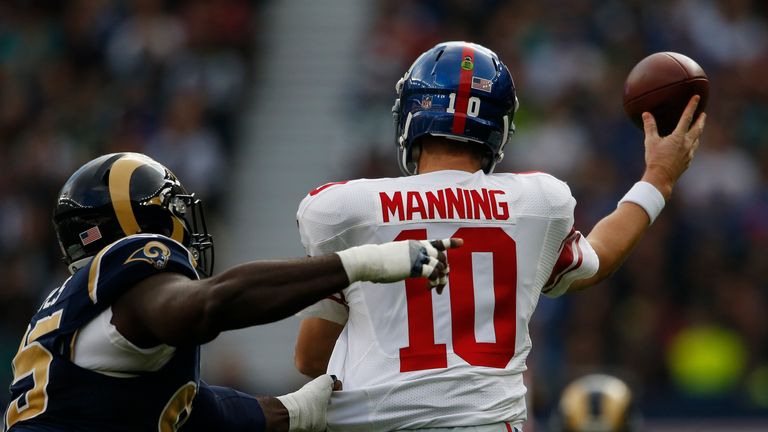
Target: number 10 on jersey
[(422, 352)]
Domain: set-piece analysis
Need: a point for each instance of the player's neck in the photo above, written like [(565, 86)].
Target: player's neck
[(439, 162)]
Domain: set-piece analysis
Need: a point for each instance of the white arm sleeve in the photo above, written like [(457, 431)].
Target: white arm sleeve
[(577, 261)]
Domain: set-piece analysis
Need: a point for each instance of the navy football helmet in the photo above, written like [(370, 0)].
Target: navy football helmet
[(121, 194), (457, 90)]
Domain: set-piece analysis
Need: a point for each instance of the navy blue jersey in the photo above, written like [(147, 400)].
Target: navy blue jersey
[(50, 393)]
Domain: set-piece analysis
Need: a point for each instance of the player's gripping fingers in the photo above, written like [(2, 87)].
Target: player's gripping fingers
[(698, 128), (449, 243), (649, 126), (437, 270), (429, 269), (337, 384), (687, 118), (439, 277), (441, 283), (423, 258)]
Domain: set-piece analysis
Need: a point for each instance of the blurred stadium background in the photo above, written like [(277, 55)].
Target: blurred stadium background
[(253, 104)]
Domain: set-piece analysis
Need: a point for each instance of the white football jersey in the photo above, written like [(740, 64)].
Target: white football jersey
[(410, 358)]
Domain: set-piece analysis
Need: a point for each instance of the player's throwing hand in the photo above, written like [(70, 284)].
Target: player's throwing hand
[(667, 158)]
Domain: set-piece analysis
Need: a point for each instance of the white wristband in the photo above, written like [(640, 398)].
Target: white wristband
[(307, 406), (394, 261), (387, 262), (646, 196)]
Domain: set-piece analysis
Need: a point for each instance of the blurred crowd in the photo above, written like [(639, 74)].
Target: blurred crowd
[(85, 77), (685, 320)]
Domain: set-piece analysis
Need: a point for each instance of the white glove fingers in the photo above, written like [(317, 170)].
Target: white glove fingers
[(429, 248), (448, 243), (441, 244), (430, 270)]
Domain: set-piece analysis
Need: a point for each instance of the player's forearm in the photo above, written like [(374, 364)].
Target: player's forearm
[(227, 410), (613, 239), (616, 235), (275, 413), (267, 291), (661, 179), (224, 409)]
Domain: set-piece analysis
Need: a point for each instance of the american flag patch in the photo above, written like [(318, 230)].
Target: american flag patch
[(482, 84), (89, 236)]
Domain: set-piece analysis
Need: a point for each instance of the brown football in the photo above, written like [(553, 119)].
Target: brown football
[(662, 84)]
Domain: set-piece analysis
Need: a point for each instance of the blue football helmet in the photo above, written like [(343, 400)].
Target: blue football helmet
[(457, 90)]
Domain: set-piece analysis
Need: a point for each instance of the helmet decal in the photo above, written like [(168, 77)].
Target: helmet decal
[(120, 192), (467, 63), (465, 86), (90, 235), (482, 84)]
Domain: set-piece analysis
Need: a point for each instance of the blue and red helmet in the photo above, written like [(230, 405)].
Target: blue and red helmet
[(457, 90)]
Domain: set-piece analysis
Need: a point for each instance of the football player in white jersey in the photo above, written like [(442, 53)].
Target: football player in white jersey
[(411, 359)]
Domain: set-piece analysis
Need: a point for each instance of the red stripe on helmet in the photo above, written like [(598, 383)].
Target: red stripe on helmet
[(462, 96)]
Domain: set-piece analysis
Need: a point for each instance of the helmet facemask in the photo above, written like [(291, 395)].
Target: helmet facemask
[(189, 210)]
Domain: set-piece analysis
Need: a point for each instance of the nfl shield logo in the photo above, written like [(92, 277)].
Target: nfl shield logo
[(426, 102)]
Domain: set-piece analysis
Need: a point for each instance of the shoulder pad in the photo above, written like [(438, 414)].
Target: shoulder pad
[(132, 259), (317, 190)]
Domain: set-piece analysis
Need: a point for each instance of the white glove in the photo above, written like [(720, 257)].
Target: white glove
[(307, 405), (395, 261)]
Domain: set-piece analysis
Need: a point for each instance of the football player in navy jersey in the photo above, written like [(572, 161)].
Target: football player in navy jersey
[(116, 346)]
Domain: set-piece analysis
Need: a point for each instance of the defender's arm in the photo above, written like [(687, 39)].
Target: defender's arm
[(172, 309), (224, 409)]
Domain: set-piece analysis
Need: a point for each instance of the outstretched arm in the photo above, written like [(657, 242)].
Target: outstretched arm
[(173, 309), (666, 159)]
